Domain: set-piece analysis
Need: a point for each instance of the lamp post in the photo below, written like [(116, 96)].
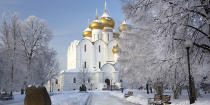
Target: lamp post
[(188, 44)]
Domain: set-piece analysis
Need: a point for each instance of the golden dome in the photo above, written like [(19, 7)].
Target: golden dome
[(87, 33), (124, 27), (116, 35), (107, 22), (96, 24), (114, 50)]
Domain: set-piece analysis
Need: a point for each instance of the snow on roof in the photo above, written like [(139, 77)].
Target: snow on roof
[(124, 22), (87, 29), (105, 14), (96, 20), (77, 70)]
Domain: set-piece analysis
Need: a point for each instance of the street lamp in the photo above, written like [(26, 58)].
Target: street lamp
[(188, 44)]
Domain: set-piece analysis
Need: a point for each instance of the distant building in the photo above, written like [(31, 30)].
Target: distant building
[(91, 61)]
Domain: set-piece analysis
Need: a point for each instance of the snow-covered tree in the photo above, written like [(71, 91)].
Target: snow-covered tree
[(10, 50), (83, 76), (169, 24), (25, 56), (34, 37), (47, 67)]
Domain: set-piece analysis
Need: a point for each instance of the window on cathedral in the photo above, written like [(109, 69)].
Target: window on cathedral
[(108, 36), (56, 81), (88, 80), (99, 48), (99, 65), (74, 80), (85, 48), (85, 64)]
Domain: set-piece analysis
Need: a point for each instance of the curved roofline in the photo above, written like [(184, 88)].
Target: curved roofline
[(108, 64), (84, 39), (112, 41), (101, 41)]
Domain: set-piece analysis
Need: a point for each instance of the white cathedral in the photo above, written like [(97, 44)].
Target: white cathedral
[(91, 61)]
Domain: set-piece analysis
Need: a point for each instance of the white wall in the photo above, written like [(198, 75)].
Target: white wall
[(85, 56), (102, 55), (96, 34), (110, 53), (107, 36), (71, 55), (89, 38)]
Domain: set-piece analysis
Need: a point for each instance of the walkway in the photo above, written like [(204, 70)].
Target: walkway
[(104, 98)]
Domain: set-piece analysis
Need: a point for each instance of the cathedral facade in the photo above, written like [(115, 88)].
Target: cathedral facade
[(91, 61)]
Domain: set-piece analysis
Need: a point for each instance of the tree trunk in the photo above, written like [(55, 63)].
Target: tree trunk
[(29, 76), (22, 91), (50, 86), (180, 91), (147, 87), (176, 93), (150, 89)]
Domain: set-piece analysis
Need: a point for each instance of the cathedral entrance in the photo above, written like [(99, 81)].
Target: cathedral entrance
[(107, 81)]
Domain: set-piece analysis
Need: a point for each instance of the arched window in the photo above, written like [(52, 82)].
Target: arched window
[(56, 81), (74, 80), (99, 65), (108, 36), (99, 48), (85, 48), (88, 80)]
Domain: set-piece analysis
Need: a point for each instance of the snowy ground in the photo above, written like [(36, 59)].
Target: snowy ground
[(70, 98), (76, 98), (107, 98), (59, 98), (140, 97), (18, 100)]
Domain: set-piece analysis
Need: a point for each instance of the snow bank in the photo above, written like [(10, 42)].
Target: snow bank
[(18, 99), (141, 97), (57, 98)]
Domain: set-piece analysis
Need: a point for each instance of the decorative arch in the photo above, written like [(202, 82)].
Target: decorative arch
[(108, 68)]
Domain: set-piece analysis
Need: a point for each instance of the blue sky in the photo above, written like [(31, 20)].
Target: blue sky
[(66, 18)]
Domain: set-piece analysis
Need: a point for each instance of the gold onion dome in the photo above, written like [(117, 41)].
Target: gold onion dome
[(114, 50), (87, 32), (96, 24), (106, 20), (124, 27)]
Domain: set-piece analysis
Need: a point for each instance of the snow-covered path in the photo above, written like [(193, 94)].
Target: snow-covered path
[(105, 98)]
